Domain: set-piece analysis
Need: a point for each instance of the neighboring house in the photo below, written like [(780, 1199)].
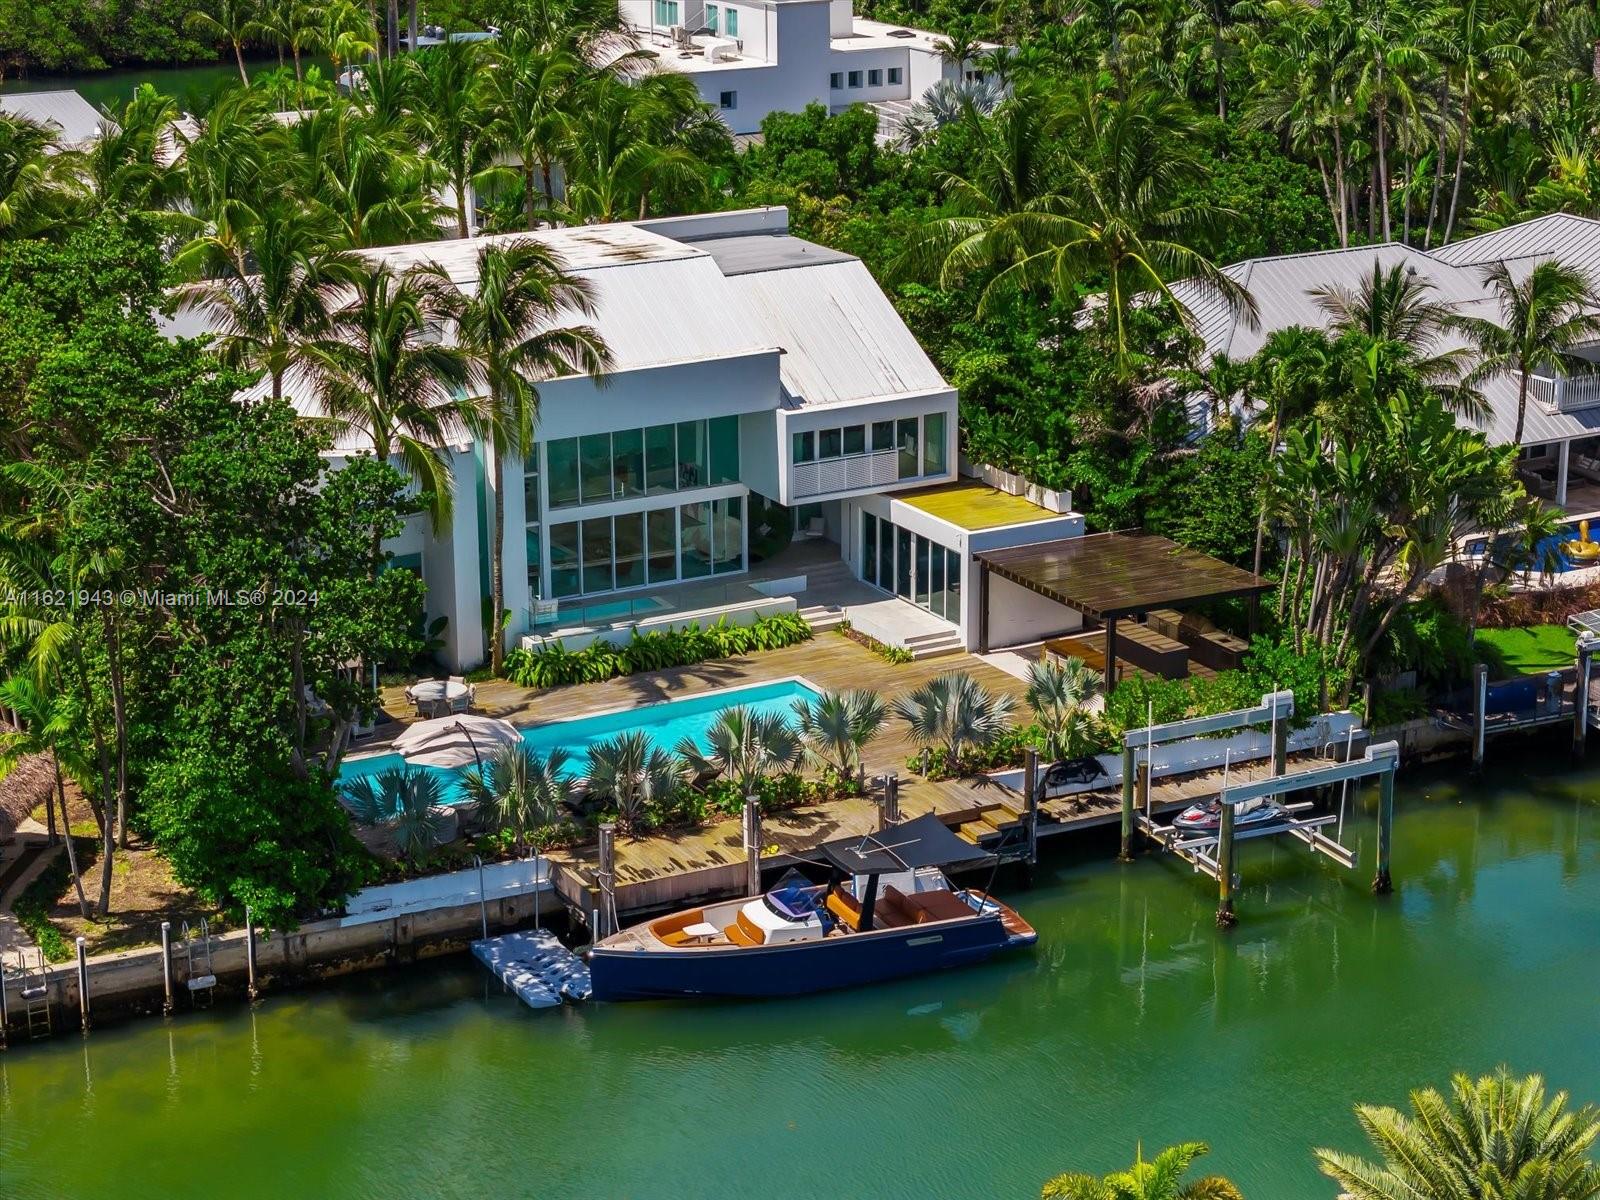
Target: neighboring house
[(76, 120), (767, 414), (755, 57), (1560, 457)]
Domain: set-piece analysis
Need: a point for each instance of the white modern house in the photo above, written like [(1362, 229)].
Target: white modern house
[(754, 57), (770, 437), (1560, 456)]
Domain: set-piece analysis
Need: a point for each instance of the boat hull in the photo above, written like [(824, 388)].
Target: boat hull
[(620, 973)]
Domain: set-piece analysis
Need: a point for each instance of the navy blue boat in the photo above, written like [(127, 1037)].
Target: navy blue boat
[(887, 910)]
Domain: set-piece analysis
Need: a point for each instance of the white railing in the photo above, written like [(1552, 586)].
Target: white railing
[(844, 474), (1565, 393)]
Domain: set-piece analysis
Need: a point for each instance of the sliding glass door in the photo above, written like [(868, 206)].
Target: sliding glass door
[(911, 566)]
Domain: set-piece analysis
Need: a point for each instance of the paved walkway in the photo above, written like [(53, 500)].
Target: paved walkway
[(12, 936)]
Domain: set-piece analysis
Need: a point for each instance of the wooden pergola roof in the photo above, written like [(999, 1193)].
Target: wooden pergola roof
[(1112, 575)]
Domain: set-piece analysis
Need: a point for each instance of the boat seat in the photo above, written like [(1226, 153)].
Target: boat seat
[(845, 908), (743, 933), (675, 938), (892, 910), (939, 906)]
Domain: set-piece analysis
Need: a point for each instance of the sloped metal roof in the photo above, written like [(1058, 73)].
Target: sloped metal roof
[(77, 120), (842, 340), (1574, 240)]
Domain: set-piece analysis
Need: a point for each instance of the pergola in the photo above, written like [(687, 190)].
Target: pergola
[(1110, 576)]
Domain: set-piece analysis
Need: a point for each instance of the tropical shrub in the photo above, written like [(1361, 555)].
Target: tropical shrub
[(744, 746), (1159, 1179), (658, 650), (836, 727), (405, 801), (1268, 667), (517, 791), (954, 712), (1057, 693), (630, 777)]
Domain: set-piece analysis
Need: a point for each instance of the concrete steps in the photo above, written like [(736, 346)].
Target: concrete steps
[(931, 645)]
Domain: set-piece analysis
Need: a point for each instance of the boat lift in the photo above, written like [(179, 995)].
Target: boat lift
[(1213, 854)]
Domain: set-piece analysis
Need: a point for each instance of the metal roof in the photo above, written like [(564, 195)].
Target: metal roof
[(1110, 575), (842, 340), (77, 119), (766, 252), (1574, 240)]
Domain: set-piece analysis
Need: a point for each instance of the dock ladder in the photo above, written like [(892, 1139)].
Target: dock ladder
[(201, 977), (35, 992)]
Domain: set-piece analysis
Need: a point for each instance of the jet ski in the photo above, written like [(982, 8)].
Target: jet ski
[(1206, 815)]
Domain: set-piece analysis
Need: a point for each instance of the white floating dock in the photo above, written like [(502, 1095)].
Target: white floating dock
[(536, 966)]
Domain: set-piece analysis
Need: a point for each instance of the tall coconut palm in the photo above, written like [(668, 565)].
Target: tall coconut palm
[(518, 790), (837, 726), (1159, 1179), (385, 377), (126, 167), (37, 186), (365, 171), (230, 21), (955, 713), (633, 774), (511, 328), (745, 746), (530, 101), (270, 288), (614, 155), (1542, 317), (447, 86), (46, 729), (1059, 693), (1495, 1136)]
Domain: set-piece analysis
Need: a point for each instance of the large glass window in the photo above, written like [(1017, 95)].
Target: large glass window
[(731, 22), (936, 580), (628, 540), (564, 579), (924, 573), (727, 525), (562, 459), (594, 466), (724, 437), (855, 439), (711, 17), (805, 447), (531, 542), (660, 459), (910, 466), (902, 562), (663, 531), (952, 586), (530, 489), (869, 547), (885, 578), (829, 443), (882, 436), (692, 454), (933, 450), (627, 463), (597, 555), (695, 537)]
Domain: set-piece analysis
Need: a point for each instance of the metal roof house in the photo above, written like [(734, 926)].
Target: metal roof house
[(1561, 435), (75, 120), (765, 409)]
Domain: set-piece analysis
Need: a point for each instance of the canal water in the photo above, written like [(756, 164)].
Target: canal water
[(1134, 1020)]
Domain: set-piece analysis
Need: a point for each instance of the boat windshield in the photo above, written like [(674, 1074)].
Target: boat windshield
[(795, 898)]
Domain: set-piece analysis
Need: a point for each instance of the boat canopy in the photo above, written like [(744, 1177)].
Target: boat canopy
[(924, 842)]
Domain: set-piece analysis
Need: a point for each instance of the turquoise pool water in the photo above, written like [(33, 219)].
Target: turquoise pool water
[(665, 724)]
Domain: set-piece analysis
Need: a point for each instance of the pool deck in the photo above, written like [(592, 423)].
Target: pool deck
[(656, 870)]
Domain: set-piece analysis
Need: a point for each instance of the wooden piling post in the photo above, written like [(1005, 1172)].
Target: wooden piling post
[(1480, 712), (1225, 915), (250, 953), (5, 1011), (891, 801), (166, 968), (1141, 777), (1125, 854), (752, 845), (1280, 745), (1030, 791), (83, 983), (1382, 884), (1580, 707), (605, 877)]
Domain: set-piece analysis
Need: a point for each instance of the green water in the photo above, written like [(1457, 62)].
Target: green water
[(1134, 1018), (187, 84)]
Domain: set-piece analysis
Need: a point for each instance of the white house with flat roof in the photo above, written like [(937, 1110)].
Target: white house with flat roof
[(753, 57), (770, 437)]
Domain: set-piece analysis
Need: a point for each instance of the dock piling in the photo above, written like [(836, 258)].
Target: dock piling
[(166, 968), (752, 845), (1480, 712), (1030, 778), (1225, 915), (1580, 708), (83, 983), (890, 814), (1382, 884), (1141, 777), (5, 1012), (250, 947), (1125, 854), (1280, 745), (605, 877)]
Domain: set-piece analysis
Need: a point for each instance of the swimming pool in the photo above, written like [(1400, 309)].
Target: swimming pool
[(665, 724), (1562, 563)]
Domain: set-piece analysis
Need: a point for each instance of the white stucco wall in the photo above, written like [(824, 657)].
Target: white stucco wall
[(1018, 615), (678, 392)]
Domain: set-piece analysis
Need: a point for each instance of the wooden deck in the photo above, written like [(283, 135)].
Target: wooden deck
[(658, 870)]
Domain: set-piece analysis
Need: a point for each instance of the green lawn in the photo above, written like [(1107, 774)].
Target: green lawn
[(1527, 651)]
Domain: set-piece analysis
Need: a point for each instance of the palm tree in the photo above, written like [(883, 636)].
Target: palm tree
[(384, 375), (508, 328), (295, 24), (36, 184), (406, 802), (1159, 1179), (126, 167), (1542, 317), (1495, 1136), (944, 104), (745, 746), (529, 98), (632, 773), (347, 33), (1059, 693), (46, 728), (836, 727), (231, 21), (271, 288), (519, 791), (365, 171), (955, 712), (446, 90), (614, 155)]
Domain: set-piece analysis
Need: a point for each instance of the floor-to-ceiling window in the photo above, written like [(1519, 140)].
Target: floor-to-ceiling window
[(625, 463), (662, 545), (914, 567)]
